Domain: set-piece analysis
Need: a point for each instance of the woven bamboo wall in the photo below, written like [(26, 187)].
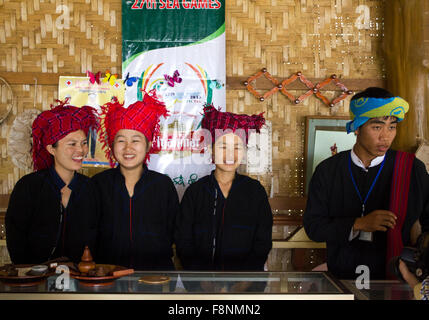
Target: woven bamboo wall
[(60, 36), (319, 38), (53, 37)]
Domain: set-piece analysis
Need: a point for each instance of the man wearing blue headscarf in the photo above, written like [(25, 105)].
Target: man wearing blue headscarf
[(364, 202)]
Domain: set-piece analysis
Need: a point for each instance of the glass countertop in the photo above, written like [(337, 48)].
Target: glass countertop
[(381, 290), (176, 283)]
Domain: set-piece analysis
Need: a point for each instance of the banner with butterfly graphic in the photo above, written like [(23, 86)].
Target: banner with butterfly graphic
[(176, 48), (94, 90)]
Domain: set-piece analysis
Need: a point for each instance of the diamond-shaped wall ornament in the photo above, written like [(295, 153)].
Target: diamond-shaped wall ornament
[(268, 76), (282, 87), (304, 80), (344, 94)]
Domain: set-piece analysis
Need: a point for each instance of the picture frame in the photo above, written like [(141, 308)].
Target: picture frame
[(422, 153), (82, 92), (324, 136)]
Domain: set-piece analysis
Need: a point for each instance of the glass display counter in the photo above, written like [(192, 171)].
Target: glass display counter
[(381, 290), (192, 286)]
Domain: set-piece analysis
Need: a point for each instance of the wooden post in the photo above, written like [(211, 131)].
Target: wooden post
[(406, 67)]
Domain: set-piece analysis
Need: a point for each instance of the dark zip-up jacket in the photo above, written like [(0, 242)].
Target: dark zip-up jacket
[(333, 205), (237, 235), (137, 231), (38, 228)]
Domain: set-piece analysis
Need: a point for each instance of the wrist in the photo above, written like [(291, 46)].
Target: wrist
[(357, 226), (411, 279)]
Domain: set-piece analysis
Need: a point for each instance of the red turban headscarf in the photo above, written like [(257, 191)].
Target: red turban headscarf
[(142, 116), (216, 119), (53, 125)]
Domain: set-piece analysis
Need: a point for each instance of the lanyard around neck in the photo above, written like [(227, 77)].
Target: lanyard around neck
[(372, 185)]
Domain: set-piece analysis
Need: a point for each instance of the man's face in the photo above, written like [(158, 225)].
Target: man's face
[(376, 135)]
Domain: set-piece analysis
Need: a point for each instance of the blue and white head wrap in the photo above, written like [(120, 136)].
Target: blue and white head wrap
[(363, 109)]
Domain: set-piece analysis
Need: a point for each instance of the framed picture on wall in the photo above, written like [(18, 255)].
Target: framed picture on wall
[(423, 153), (82, 92), (324, 137)]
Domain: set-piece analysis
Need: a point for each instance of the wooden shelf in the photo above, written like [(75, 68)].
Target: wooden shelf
[(283, 244), (298, 240), (287, 220)]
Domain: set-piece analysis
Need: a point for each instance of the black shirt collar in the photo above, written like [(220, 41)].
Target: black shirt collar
[(59, 183), (122, 178), (235, 182)]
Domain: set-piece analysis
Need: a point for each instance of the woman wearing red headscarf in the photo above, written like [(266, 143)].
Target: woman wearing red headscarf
[(138, 205), (225, 221), (51, 211)]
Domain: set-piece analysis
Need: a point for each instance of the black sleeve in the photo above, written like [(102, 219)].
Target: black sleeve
[(319, 225), (262, 242), (183, 231), (17, 222), (422, 178)]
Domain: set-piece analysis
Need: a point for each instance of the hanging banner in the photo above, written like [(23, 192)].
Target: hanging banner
[(82, 92), (178, 49)]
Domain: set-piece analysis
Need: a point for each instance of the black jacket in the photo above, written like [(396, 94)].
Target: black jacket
[(136, 232), (243, 240), (333, 205), (33, 226)]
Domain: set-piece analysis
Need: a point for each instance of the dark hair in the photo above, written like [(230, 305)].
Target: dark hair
[(54, 145), (373, 92)]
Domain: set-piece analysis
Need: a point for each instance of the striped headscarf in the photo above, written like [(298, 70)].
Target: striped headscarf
[(216, 119), (52, 125), (363, 109), (142, 116)]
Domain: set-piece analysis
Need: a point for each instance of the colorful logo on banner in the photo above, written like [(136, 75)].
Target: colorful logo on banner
[(178, 49)]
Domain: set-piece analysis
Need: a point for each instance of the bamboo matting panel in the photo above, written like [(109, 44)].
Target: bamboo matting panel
[(60, 35), (288, 134), (26, 97), (319, 38)]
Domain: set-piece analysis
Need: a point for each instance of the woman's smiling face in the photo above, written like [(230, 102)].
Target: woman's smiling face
[(130, 148), (69, 151), (229, 151)]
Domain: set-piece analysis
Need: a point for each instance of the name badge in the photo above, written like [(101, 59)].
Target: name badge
[(365, 236)]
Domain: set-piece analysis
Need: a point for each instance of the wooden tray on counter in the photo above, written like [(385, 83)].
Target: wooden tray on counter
[(103, 280), (27, 280)]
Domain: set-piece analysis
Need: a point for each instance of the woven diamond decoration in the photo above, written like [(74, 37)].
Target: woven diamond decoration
[(312, 89)]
